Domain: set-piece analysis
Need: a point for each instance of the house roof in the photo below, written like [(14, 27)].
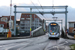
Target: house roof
[(12, 17), (1, 22), (26, 15), (72, 22)]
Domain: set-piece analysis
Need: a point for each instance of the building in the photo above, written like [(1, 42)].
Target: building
[(0, 18), (3, 26), (18, 24), (6, 19), (71, 26), (25, 22)]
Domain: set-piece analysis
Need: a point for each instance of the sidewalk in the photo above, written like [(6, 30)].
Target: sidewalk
[(22, 37)]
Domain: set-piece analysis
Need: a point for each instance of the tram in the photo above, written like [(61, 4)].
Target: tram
[(53, 30)]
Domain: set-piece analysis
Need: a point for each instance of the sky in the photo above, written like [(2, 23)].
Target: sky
[(5, 8)]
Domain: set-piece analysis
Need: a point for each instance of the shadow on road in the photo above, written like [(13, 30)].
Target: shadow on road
[(54, 38)]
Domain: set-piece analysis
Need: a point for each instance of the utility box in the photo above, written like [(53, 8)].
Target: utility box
[(71, 26)]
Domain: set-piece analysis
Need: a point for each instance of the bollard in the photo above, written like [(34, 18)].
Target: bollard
[(7, 35)]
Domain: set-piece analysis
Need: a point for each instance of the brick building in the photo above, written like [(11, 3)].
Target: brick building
[(25, 22), (71, 26), (6, 19), (3, 24)]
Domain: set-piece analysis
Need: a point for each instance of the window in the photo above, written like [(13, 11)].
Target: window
[(22, 18), (2, 19), (1, 25), (26, 27), (22, 15), (27, 15), (22, 27)]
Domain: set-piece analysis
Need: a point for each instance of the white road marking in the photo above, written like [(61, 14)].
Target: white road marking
[(15, 46), (59, 45)]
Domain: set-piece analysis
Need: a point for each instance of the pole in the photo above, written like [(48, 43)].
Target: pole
[(66, 18), (38, 22), (10, 8), (34, 21), (30, 20), (15, 21), (61, 25)]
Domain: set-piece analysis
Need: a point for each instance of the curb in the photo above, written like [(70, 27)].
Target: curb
[(11, 38)]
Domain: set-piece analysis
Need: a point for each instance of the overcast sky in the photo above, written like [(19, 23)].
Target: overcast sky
[(5, 7)]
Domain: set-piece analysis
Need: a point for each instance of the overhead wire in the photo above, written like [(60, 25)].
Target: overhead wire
[(42, 8), (36, 8)]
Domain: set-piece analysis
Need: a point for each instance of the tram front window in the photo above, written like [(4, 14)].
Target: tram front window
[(53, 28)]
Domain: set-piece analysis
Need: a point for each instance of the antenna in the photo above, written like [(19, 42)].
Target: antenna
[(10, 8), (10, 21)]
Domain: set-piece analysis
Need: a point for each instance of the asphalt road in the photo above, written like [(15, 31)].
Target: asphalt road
[(36, 43)]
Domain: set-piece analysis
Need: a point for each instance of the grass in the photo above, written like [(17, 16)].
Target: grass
[(72, 47)]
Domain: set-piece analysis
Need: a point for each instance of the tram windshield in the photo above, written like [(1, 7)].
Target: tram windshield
[(54, 28)]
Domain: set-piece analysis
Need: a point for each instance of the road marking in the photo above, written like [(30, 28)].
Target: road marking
[(15, 46), (23, 46), (59, 45)]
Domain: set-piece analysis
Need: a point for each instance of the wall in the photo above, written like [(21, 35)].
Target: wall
[(37, 32), (70, 29)]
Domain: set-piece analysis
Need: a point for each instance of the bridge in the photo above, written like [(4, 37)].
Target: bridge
[(42, 29)]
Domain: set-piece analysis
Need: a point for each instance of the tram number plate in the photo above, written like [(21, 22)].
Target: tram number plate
[(74, 36), (53, 34)]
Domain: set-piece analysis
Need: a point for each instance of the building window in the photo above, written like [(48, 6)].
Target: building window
[(22, 18), (2, 19), (22, 15), (26, 27), (1, 25), (22, 27), (29, 15)]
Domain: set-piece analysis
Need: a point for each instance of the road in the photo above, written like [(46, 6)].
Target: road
[(36, 43)]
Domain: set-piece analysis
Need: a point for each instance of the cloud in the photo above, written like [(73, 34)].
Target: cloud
[(5, 10)]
